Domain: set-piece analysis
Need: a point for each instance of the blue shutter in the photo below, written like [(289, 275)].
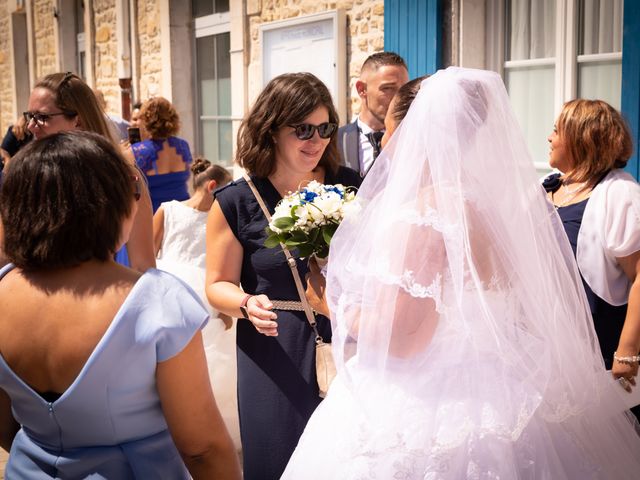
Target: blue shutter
[(413, 29), (631, 78)]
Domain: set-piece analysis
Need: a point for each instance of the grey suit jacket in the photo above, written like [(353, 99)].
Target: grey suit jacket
[(349, 145)]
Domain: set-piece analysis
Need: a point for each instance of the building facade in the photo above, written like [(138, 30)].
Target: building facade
[(204, 56), (212, 57)]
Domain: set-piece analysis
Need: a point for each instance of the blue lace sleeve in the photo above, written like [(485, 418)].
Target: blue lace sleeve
[(182, 148), (144, 155)]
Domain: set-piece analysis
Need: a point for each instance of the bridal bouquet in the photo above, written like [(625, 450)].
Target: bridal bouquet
[(307, 219)]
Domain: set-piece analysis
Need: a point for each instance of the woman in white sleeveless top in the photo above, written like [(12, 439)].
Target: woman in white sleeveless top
[(179, 241)]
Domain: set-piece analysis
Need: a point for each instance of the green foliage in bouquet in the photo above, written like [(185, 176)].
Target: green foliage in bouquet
[(307, 219)]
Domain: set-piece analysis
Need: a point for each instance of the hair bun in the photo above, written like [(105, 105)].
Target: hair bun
[(200, 165)]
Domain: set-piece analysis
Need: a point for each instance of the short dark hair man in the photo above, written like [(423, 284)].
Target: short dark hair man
[(381, 76)]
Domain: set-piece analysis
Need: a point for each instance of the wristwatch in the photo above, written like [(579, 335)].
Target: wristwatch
[(243, 306)]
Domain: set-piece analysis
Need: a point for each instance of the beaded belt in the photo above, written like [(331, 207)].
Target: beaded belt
[(288, 305)]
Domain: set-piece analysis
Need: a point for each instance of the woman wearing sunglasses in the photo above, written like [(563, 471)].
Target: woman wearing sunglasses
[(287, 140), (62, 102)]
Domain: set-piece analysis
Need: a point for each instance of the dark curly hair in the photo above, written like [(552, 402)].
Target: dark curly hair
[(286, 100), (63, 201), (159, 118)]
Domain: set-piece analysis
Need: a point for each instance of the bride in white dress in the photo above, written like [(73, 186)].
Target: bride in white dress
[(179, 231), (461, 332)]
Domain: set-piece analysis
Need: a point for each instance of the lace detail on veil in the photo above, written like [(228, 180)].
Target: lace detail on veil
[(428, 218), (406, 281)]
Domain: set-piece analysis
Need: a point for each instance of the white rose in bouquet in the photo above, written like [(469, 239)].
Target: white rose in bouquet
[(307, 219)]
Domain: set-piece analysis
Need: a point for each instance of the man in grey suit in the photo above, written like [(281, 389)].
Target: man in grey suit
[(381, 75)]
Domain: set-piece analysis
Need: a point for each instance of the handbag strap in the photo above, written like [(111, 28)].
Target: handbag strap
[(291, 261)]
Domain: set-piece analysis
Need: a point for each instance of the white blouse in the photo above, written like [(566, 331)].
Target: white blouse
[(610, 229)]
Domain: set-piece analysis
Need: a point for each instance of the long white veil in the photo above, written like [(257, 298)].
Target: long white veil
[(459, 322)]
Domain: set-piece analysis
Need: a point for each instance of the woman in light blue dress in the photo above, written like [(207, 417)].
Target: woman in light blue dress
[(102, 369)]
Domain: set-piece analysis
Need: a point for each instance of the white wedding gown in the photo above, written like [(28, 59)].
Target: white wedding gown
[(461, 332), (183, 254), (453, 421)]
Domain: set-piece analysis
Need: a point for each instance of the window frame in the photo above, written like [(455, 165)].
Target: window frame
[(566, 61), (205, 26)]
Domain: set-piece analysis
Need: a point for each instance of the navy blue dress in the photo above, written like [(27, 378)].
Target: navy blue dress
[(277, 387), (608, 319)]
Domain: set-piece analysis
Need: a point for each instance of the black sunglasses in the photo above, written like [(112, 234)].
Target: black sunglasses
[(304, 131)]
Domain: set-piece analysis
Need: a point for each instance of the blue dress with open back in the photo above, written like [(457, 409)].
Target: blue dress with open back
[(277, 386), (109, 423), (166, 186)]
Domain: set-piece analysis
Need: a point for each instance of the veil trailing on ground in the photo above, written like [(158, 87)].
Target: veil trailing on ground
[(461, 333)]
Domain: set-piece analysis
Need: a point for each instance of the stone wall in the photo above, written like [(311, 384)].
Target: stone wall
[(45, 39), (365, 33), (106, 53), (6, 69), (150, 60), (365, 24)]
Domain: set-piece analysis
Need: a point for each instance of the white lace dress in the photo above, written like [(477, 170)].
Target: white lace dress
[(183, 254)]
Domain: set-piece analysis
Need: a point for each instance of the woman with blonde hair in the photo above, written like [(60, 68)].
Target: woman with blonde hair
[(62, 102)]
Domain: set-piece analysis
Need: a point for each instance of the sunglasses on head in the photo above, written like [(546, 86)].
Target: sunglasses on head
[(304, 131)]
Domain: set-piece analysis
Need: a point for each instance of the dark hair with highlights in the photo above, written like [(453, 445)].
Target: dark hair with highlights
[(286, 100), (75, 98), (203, 171), (160, 118), (596, 136), (63, 201)]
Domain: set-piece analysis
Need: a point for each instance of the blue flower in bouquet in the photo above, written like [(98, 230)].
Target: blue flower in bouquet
[(335, 189), (308, 195), (307, 219)]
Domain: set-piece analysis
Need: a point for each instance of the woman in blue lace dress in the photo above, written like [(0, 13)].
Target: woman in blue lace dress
[(163, 157)]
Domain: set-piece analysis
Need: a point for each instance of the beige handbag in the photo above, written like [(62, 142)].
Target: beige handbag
[(325, 366)]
